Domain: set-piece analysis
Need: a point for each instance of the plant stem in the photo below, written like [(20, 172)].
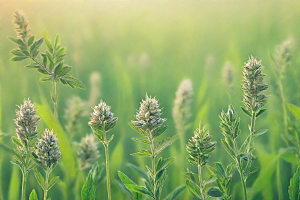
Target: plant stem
[(153, 165), (54, 99), (46, 183), (107, 169), (200, 182), (24, 180), (283, 107), (239, 168)]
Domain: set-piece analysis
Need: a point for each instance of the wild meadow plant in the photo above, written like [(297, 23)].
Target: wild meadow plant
[(26, 122), (228, 78), (199, 148), (253, 101), (102, 121), (50, 63), (150, 125), (281, 58), (46, 155), (181, 115)]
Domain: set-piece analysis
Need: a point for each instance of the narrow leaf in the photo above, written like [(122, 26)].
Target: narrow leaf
[(39, 178)]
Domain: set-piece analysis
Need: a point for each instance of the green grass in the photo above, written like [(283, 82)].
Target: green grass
[(181, 39)]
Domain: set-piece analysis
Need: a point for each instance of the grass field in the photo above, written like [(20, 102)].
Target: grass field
[(140, 47)]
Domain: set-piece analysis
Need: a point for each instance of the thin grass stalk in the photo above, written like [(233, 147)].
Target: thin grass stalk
[(107, 171)]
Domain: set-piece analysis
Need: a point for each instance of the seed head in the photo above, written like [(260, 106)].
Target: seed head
[(21, 25), (230, 123), (148, 115), (182, 109), (73, 113), (26, 122), (228, 75), (102, 118), (47, 150), (282, 56), (200, 146), (87, 151), (253, 85)]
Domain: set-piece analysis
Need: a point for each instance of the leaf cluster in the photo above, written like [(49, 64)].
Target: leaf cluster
[(155, 177), (223, 178), (50, 63)]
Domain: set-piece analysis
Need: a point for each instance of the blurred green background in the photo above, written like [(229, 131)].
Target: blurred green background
[(141, 47)]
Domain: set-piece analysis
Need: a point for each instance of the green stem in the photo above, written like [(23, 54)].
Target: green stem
[(24, 180), (242, 179), (283, 107), (46, 184), (54, 99), (200, 182), (107, 170), (153, 165)]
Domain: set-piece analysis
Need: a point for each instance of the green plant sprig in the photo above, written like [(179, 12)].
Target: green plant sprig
[(223, 178), (102, 121), (26, 122), (149, 124), (50, 63), (199, 148), (46, 155)]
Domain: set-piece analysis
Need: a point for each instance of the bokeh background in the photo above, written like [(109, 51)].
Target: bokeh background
[(139, 47)]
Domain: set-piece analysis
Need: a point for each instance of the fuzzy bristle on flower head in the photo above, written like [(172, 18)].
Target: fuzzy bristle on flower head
[(26, 122), (181, 110), (87, 151), (102, 118), (21, 25), (253, 85), (47, 150), (200, 146), (148, 115)]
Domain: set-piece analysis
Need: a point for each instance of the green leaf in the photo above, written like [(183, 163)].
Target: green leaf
[(193, 177), (36, 45), (163, 164), (229, 150), (57, 40), (45, 78), (42, 71), (139, 130), (246, 111), (33, 65), (143, 152), (139, 189), (138, 170), (294, 190), (165, 143), (174, 194), (64, 71), (260, 132), (16, 141), (17, 41), (214, 192), (295, 110), (17, 52), (75, 82), (47, 41), (18, 58), (219, 167), (88, 191), (39, 178), (159, 130), (30, 40), (193, 188), (52, 182), (127, 181), (33, 195), (261, 112), (144, 141)]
